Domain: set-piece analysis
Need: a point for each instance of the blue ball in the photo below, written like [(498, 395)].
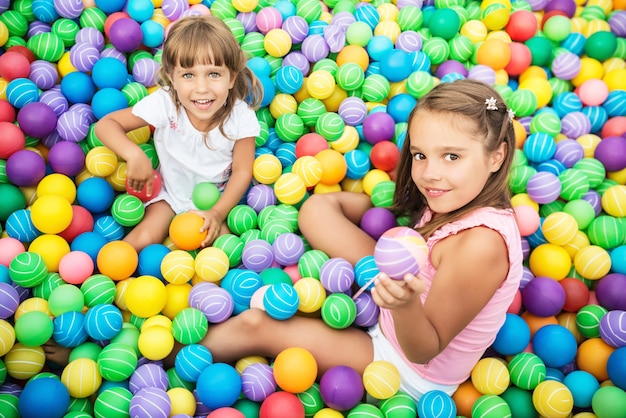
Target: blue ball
[(554, 374), (22, 91), (191, 360), (243, 285), (89, 242), (395, 65), (582, 385), (281, 301), (260, 67), (269, 89), (109, 228), (567, 102), (109, 72), (615, 103), (289, 79), (110, 6), (539, 147), (273, 140), (436, 404), (95, 194), (286, 153), (555, 345), (44, 11), (103, 321), (219, 385), (616, 367), (575, 43), (286, 8), (597, 116), (357, 163), (552, 166), (48, 392), (365, 270), (513, 337), (400, 107), (69, 329), (421, 61), (4, 274), (78, 87), (153, 33), (368, 14), (140, 10), (108, 100), (379, 46), (618, 259), (19, 225), (150, 258)]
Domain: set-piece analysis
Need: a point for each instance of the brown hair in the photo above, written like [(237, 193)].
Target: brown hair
[(464, 102), (207, 40)]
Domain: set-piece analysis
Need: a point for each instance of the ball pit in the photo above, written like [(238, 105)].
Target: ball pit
[(340, 80)]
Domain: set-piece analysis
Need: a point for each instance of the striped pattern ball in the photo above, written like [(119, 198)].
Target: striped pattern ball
[(559, 228), (289, 79), (23, 362), (399, 405), (543, 187), (19, 225), (103, 322), (320, 84), (490, 376), (289, 189), (575, 184), (491, 406), (191, 360), (436, 404), (198, 292), (21, 91), (211, 264), (548, 122), (569, 151), (98, 289), (399, 251), (178, 267), (151, 402), (552, 398), (311, 294), (266, 168), (309, 169), (381, 379), (268, 19), (46, 46), (566, 65), (289, 127), (310, 109), (526, 370), (101, 161), (330, 126), (148, 375), (90, 35), (69, 329), (297, 28), (366, 410), (217, 305), (274, 228), (253, 44), (366, 310), (134, 92), (311, 399), (73, 126), (260, 196), (357, 164), (83, 56), (338, 311), (337, 275), (461, 47), (117, 362), (277, 42), (539, 147), (127, 210), (113, 401), (43, 74), (588, 320), (281, 301), (81, 377), (288, 248), (257, 382), (613, 328), (28, 269), (7, 337), (594, 170), (70, 9), (257, 255), (314, 47), (411, 41), (190, 325), (614, 201), (9, 300), (243, 286), (145, 71), (311, 263), (232, 245), (592, 262), (350, 76), (606, 232), (375, 88), (352, 110), (241, 219), (45, 11)]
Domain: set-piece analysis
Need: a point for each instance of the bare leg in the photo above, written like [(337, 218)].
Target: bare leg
[(330, 222), (154, 226), (253, 332)]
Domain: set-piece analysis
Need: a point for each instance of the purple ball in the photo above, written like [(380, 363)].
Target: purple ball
[(90, 35), (248, 20), (566, 6), (297, 28), (288, 248), (67, 158), (9, 300), (173, 9), (569, 151), (37, 119), (198, 293), (611, 152), (217, 305), (126, 35), (595, 200), (73, 125), (378, 126), (566, 65), (617, 23), (611, 291), (43, 74), (145, 71), (55, 100), (341, 388), (315, 48), (376, 221), (260, 196), (451, 66), (36, 27), (25, 168), (150, 402), (543, 187), (352, 110), (298, 60), (575, 124), (257, 255), (482, 73), (148, 375), (409, 41), (337, 275), (84, 56), (613, 328), (257, 382), (69, 9), (113, 53), (543, 296), (366, 310)]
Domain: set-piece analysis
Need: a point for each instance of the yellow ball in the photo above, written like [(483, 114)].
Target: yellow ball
[(118, 178), (615, 79), (120, 293), (475, 30), (146, 296), (4, 34), (244, 362), (328, 413), (614, 201), (51, 248), (522, 199), (592, 262), (541, 88), (155, 343), (81, 377), (320, 84), (352, 185), (183, 402), (333, 102), (617, 176), (388, 11), (267, 168), (30, 305), (326, 188), (101, 161), (589, 68), (490, 376), (309, 169), (289, 189), (7, 337), (550, 260), (157, 321), (64, 66), (24, 362), (348, 140), (177, 299), (589, 142), (388, 28), (580, 241), (140, 135), (311, 293), (57, 184), (381, 379), (212, 264), (277, 42), (372, 178), (244, 6), (559, 228), (51, 214), (283, 103), (177, 267), (553, 399), (533, 71)]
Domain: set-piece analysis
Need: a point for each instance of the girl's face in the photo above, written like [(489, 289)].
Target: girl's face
[(449, 167), (202, 90)]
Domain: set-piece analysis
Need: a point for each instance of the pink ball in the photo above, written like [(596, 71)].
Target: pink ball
[(543, 187), (14, 65), (226, 412), (9, 248), (593, 92), (337, 275), (378, 126), (268, 18), (75, 267), (400, 250), (126, 35), (257, 382), (527, 219)]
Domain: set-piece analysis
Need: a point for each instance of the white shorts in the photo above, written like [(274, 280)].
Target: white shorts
[(411, 383)]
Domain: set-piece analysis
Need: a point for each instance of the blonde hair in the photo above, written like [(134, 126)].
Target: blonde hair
[(207, 40)]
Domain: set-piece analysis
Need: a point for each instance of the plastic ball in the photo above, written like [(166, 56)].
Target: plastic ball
[(289, 188), (338, 311), (607, 291), (266, 169), (117, 260), (341, 388), (592, 262), (184, 231), (218, 385), (295, 369), (381, 379), (615, 367), (81, 377), (490, 404), (552, 398), (399, 251), (281, 301), (281, 403), (436, 403), (554, 355), (522, 25), (376, 221), (148, 375), (150, 402), (43, 391), (494, 53), (258, 382), (609, 153)]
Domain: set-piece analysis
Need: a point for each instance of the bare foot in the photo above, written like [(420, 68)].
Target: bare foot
[(56, 353)]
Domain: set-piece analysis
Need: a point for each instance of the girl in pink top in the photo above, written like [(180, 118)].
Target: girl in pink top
[(452, 184)]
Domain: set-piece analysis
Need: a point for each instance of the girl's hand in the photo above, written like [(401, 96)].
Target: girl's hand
[(212, 224), (139, 173), (391, 294)]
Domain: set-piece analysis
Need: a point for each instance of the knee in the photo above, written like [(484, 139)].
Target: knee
[(310, 209), (252, 320)]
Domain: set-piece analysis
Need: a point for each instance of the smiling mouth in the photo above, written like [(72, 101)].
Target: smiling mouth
[(202, 103), (434, 192)]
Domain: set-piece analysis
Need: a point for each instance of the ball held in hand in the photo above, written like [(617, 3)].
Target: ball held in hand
[(143, 194), (400, 250)]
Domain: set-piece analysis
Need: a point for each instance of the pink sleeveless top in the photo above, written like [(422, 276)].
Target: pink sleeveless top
[(454, 364)]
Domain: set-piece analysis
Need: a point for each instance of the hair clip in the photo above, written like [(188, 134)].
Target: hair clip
[(511, 114), (491, 103)]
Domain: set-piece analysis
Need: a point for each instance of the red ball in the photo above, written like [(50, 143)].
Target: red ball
[(281, 404), (143, 194), (522, 25), (82, 221), (226, 412), (616, 126), (516, 305), (13, 139), (20, 49), (521, 58), (576, 294), (385, 155), (310, 144), (14, 65), (7, 112)]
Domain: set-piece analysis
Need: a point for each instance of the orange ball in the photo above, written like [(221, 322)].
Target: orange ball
[(117, 260), (592, 356), (535, 322), (464, 398), (185, 231), (295, 369), (494, 53), (334, 167), (353, 53)]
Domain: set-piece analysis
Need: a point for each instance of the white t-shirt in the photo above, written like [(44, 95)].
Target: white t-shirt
[(185, 159)]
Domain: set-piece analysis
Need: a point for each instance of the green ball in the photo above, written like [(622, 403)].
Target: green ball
[(519, 177), (33, 328), (461, 48), (575, 184), (327, 65), (540, 49), (46, 46), (342, 6), (250, 235), (127, 210), (609, 402), (232, 245), (189, 326), (223, 9), (28, 269), (113, 403), (175, 381), (382, 194), (400, 405), (594, 169), (65, 29), (15, 22), (365, 410), (437, 49), (419, 83), (557, 28), (593, 12), (606, 183), (309, 10), (444, 23), (358, 33), (523, 102), (338, 311), (117, 362), (310, 110), (588, 320), (288, 213), (8, 405), (527, 370), (410, 18), (290, 127), (265, 215), (253, 44), (98, 289), (51, 282), (273, 228), (552, 207), (606, 231), (264, 115), (136, 56), (92, 17), (12, 200), (128, 335), (237, 28), (274, 275), (330, 125), (375, 88), (491, 406), (134, 91), (66, 298), (350, 76), (87, 349), (548, 122), (519, 158), (311, 263), (263, 136), (150, 151), (241, 218), (248, 408), (205, 195), (311, 400), (520, 401), (582, 211)]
